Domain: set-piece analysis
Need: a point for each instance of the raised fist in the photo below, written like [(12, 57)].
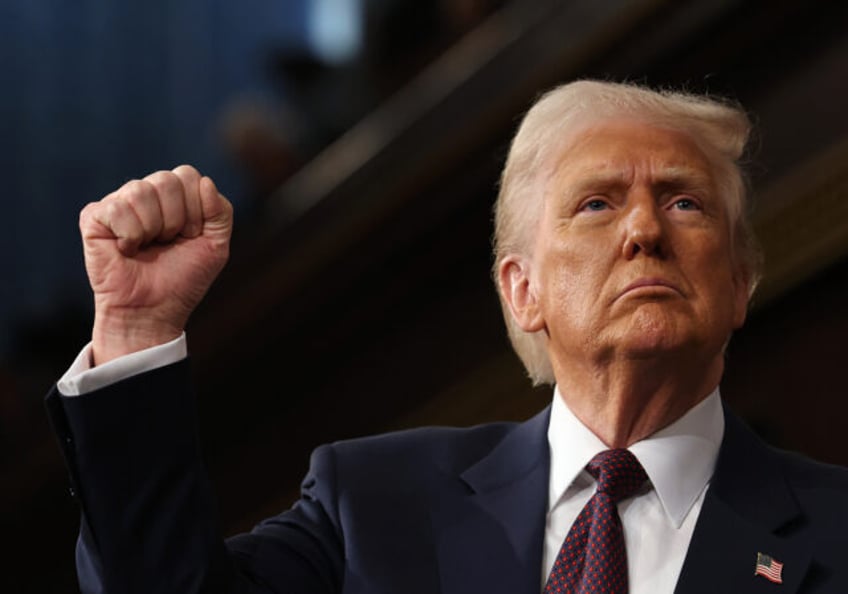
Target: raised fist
[(152, 249)]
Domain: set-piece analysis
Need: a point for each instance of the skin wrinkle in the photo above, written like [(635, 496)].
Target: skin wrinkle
[(720, 129), (639, 357), (551, 167)]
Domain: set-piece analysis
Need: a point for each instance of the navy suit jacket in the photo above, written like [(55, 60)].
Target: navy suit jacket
[(427, 511)]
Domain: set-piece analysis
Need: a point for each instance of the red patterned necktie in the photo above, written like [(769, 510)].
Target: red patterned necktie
[(592, 558)]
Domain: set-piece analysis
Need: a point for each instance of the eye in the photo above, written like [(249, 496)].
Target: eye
[(595, 205), (686, 204)]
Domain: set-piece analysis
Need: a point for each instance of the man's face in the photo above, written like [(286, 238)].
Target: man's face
[(632, 257)]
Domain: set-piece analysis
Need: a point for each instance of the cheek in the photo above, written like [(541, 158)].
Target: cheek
[(712, 275), (572, 281), (703, 254), (715, 265)]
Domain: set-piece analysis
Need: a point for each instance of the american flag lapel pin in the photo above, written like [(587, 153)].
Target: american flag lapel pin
[(769, 568)]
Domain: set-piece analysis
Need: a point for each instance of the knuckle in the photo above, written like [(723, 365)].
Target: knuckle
[(134, 193), (86, 211), (166, 182), (112, 209), (86, 214), (188, 176), (186, 170)]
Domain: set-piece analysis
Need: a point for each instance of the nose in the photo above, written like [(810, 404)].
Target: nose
[(643, 230)]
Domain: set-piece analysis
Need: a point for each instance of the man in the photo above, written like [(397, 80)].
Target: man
[(623, 261)]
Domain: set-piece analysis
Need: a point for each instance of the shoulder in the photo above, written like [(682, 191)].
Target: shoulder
[(820, 491), (398, 462), (425, 450), (814, 482), (420, 464), (745, 454)]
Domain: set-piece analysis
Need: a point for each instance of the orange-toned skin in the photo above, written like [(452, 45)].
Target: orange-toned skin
[(632, 277)]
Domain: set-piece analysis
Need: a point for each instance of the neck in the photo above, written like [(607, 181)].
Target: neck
[(625, 401)]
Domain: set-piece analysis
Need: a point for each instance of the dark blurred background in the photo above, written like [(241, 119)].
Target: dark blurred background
[(361, 141)]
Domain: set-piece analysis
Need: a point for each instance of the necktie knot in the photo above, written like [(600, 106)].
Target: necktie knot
[(618, 472)]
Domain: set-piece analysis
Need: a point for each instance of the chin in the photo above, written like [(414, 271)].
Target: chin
[(650, 334), (648, 348)]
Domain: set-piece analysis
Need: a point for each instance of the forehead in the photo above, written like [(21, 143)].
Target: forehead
[(624, 148)]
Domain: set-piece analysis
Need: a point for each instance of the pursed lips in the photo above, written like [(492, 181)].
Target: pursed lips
[(648, 283)]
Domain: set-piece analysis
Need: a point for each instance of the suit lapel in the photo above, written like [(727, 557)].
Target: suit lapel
[(748, 501), (490, 538)]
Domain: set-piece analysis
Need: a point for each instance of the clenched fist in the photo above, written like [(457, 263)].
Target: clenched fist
[(152, 249)]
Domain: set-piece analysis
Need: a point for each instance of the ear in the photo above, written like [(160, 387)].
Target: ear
[(742, 295), (519, 293)]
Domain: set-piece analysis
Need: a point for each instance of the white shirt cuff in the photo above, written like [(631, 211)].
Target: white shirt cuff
[(82, 378)]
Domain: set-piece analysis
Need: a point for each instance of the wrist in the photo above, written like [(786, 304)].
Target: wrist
[(121, 333)]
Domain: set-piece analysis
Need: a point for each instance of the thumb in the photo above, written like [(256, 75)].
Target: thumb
[(217, 210)]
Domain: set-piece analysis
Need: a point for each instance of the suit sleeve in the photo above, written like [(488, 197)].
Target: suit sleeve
[(149, 523)]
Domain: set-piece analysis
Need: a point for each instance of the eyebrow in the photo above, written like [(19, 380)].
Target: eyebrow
[(669, 177), (683, 177)]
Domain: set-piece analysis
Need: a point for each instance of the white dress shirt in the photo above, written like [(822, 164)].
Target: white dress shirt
[(658, 521), (82, 378)]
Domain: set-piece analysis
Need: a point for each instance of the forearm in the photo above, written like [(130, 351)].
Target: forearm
[(134, 459), (149, 518)]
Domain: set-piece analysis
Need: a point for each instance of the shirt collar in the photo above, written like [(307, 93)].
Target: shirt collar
[(679, 459)]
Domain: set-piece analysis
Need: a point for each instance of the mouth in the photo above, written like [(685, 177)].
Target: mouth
[(650, 287)]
